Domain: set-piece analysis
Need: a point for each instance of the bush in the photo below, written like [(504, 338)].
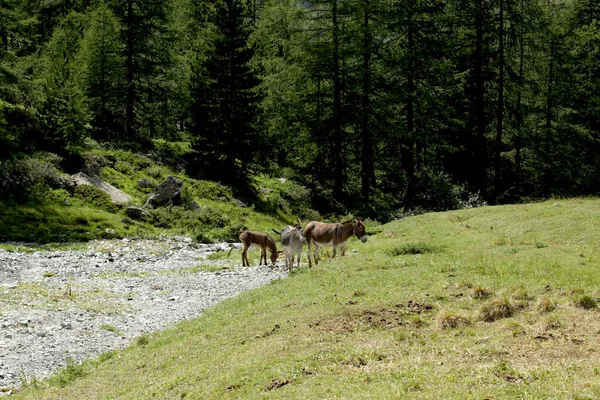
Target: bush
[(95, 197), (19, 179), (207, 190), (435, 191), (172, 150)]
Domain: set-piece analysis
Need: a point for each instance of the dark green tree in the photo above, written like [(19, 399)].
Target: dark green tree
[(104, 76), (423, 82), (225, 119), (65, 111), (148, 47), (18, 98)]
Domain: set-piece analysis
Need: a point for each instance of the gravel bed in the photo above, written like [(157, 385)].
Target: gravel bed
[(77, 304)]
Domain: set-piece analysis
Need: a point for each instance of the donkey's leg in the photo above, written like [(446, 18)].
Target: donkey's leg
[(263, 254), (245, 257)]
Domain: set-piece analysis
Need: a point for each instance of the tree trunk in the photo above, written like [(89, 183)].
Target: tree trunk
[(130, 115), (548, 178), (408, 149), (367, 172), (480, 148), (518, 141), (500, 109), (338, 170)]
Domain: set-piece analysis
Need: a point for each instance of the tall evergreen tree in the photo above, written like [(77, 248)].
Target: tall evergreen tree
[(148, 45), (422, 82), (101, 54), (225, 102), (18, 99), (66, 113)]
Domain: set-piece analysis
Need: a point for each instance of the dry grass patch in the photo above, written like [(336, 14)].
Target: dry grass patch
[(585, 301), (545, 305), (496, 309), (552, 323), (448, 320), (481, 292), (386, 317)]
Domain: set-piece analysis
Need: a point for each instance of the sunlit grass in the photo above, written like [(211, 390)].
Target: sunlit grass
[(493, 315)]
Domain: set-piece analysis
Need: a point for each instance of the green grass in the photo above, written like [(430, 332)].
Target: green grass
[(112, 328), (55, 216), (46, 223), (493, 314)]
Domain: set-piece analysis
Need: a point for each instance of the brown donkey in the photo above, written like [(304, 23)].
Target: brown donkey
[(332, 235), (260, 240)]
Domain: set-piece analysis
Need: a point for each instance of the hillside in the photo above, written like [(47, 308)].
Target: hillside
[(46, 207), (494, 302)]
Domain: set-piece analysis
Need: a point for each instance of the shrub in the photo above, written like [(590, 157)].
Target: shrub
[(155, 172), (58, 196), (19, 179), (207, 190), (95, 197), (124, 167), (171, 150), (435, 191)]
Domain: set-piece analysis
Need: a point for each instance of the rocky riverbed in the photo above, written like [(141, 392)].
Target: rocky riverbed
[(70, 305)]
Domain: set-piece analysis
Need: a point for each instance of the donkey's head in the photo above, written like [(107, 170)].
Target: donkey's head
[(360, 231), (300, 231)]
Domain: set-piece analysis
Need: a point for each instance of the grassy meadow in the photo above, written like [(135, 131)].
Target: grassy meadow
[(487, 303)]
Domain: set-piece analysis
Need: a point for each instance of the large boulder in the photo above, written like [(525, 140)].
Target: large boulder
[(116, 195), (167, 193), (137, 213)]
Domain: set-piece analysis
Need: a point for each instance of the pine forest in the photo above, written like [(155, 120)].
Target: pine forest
[(374, 106)]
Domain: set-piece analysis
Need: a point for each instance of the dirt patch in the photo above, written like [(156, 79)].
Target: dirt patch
[(387, 317), (276, 384)]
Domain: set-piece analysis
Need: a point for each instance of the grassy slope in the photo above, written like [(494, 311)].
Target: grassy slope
[(63, 218), (385, 322)]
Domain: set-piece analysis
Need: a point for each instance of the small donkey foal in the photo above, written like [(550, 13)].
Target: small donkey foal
[(260, 240)]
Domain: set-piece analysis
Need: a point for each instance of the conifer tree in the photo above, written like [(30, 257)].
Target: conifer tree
[(101, 56), (225, 101)]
